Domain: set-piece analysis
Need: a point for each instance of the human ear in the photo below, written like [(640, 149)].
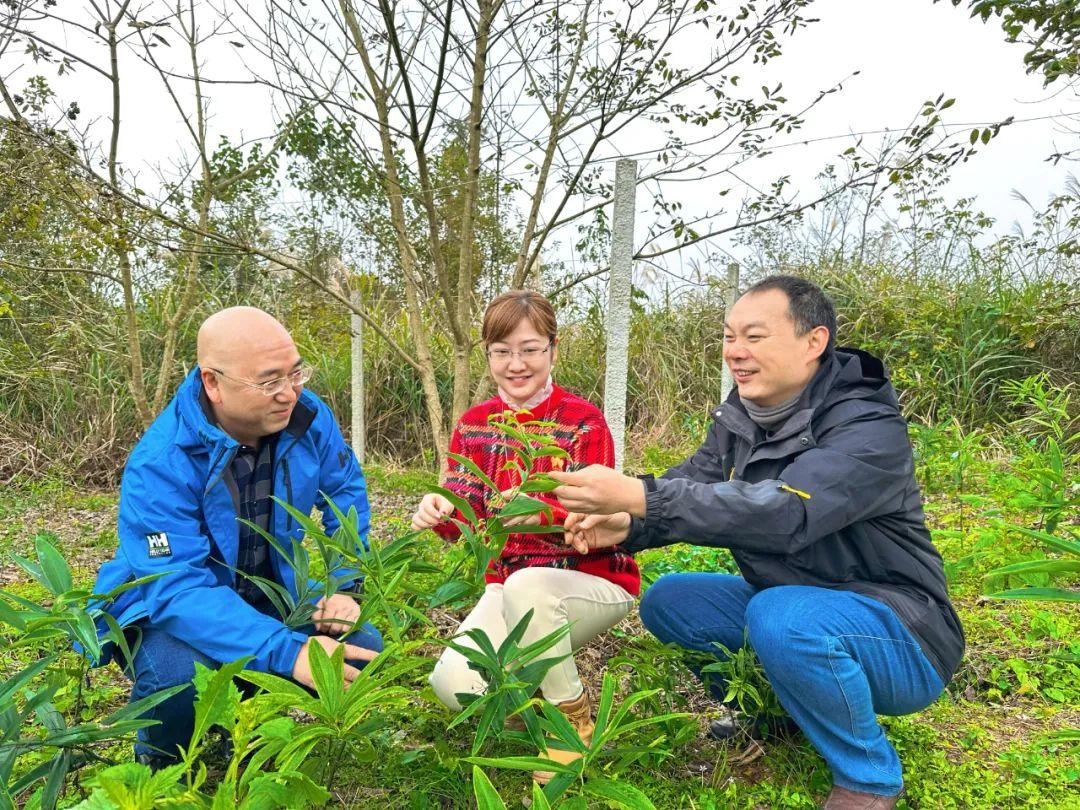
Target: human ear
[(211, 385), (818, 340)]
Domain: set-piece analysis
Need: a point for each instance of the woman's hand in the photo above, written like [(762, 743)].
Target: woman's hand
[(433, 510), (508, 495)]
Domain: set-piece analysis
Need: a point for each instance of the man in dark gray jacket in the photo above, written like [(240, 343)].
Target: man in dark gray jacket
[(807, 476)]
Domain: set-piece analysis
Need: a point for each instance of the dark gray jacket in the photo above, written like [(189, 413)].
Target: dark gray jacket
[(829, 499)]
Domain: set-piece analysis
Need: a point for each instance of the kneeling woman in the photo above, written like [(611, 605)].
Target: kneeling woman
[(536, 571)]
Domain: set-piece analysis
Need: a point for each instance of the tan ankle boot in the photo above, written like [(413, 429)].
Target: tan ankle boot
[(579, 713)]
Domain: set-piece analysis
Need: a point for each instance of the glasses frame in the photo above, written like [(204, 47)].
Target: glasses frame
[(271, 388), (519, 353)]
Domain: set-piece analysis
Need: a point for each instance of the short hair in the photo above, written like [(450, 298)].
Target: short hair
[(508, 310), (808, 305)]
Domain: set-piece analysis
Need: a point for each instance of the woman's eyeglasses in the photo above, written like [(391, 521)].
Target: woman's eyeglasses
[(530, 353)]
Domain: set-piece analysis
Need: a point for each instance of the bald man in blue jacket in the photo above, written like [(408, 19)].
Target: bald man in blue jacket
[(240, 431)]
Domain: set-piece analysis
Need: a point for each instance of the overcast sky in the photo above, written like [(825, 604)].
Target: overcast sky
[(910, 50), (906, 51)]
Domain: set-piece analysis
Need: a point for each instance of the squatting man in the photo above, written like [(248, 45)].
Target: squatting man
[(807, 476), (240, 430)]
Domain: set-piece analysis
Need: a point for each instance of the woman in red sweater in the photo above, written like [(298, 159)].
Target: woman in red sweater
[(535, 571)]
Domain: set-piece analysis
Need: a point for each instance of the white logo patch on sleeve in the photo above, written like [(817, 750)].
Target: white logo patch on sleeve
[(159, 544)]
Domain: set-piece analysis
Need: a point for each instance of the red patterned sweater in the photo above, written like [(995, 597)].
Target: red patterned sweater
[(581, 431)]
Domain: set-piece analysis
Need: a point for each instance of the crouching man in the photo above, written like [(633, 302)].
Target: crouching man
[(240, 430), (807, 476)]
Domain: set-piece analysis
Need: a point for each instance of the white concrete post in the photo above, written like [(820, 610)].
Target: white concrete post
[(618, 308), (731, 295), (356, 388)]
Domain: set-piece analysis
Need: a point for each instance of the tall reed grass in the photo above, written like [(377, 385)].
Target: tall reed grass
[(951, 341)]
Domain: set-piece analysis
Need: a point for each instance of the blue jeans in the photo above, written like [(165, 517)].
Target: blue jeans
[(835, 659), (162, 660)]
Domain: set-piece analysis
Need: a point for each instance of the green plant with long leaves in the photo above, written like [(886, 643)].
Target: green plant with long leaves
[(594, 776), (386, 571), (663, 667), (747, 687), (298, 611), (257, 730), (1042, 482), (343, 716), (1065, 565), (485, 539), (33, 728), (513, 674), (345, 557), (488, 798), (1043, 478)]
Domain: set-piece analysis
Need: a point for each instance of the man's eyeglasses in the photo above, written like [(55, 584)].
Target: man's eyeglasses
[(531, 353), (275, 386)]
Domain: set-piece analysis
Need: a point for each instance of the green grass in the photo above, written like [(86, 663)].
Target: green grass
[(399, 480)]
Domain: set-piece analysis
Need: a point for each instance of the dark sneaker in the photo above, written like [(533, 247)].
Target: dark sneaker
[(735, 725)]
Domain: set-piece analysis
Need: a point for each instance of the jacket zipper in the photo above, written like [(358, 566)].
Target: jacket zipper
[(288, 492), (221, 472)]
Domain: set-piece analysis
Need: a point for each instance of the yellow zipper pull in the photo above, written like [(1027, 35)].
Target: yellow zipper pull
[(804, 495)]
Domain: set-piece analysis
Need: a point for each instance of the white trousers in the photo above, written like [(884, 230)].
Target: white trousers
[(556, 596)]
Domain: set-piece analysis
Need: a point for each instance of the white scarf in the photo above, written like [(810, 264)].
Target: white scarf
[(532, 401)]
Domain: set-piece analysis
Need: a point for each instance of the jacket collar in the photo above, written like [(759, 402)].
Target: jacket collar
[(844, 373), (201, 431)]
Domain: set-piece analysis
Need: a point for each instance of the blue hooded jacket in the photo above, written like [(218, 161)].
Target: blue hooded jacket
[(178, 516)]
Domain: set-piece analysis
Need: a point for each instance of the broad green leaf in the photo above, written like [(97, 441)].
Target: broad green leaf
[(1038, 567), (12, 685), (31, 568), (217, 698), (523, 506), (487, 798), (116, 635), (607, 701), (621, 793), (542, 645), (327, 671), (552, 451), (525, 764), (1046, 594), (514, 636), (462, 505), (48, 715), (491, 717), (309, 526), (449, 592), (54, 783), (275, 684), (132, 710), (539, 800), (54, 569), (127, 586), (82, 629), (10, 616), (1067, 735), (473, 468), (539, 483), (558, 724), (1071, 547)]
